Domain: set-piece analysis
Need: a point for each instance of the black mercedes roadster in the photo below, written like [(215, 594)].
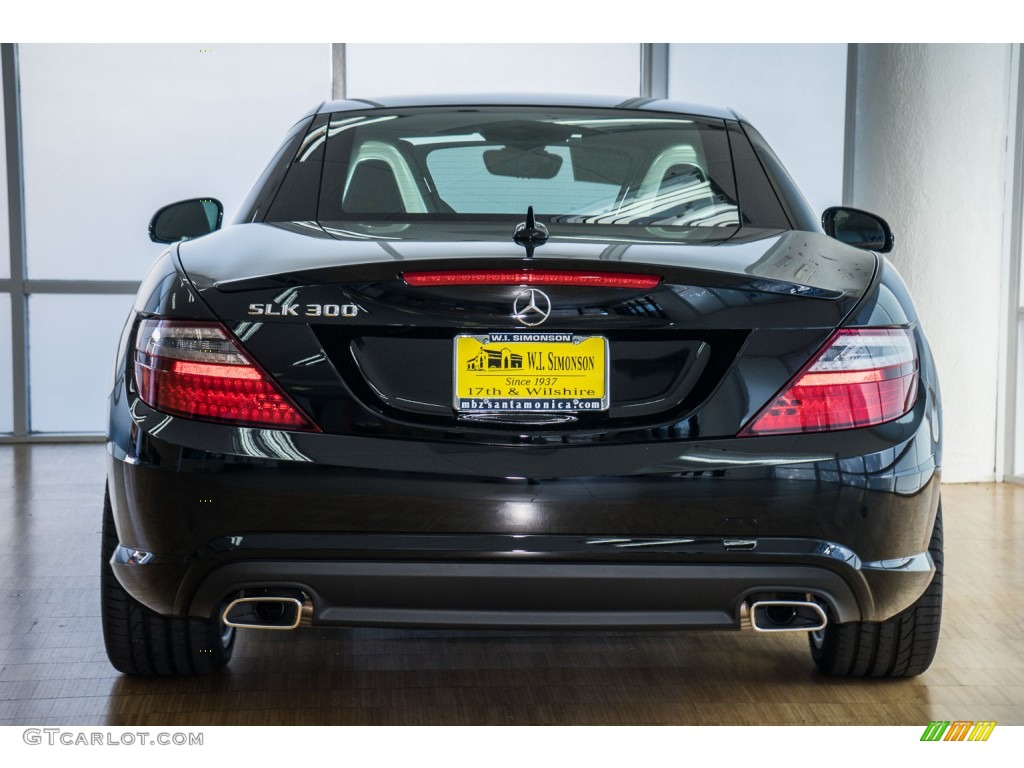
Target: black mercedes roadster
[(528, 362)]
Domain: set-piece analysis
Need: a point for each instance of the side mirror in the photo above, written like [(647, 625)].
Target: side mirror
[(186, 220), (858, 228)]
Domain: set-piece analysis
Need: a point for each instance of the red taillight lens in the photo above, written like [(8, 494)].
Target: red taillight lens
[(197, 370), (862, 377), (531, 277)]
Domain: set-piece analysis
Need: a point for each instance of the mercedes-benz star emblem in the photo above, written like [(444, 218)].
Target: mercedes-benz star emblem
[(531, 307)]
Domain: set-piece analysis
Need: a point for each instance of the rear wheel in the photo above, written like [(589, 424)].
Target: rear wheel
[(902, 646), (140, 641)]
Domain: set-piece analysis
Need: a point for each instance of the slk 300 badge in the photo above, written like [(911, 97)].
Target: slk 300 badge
[(305, 310)]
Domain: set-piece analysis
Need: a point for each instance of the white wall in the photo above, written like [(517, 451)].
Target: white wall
[(400, 69), (930, 156), (795, 95)]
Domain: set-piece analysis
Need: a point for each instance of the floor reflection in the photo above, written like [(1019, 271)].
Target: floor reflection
[(53, 669)]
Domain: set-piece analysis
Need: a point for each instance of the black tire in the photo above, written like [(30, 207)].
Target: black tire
[(140, 641), (902, 646)]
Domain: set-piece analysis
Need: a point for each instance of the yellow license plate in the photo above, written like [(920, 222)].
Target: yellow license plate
[(532, 372)]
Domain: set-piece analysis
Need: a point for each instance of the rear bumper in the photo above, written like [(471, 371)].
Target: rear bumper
[(393, 548), (520, 588), (529, 595)]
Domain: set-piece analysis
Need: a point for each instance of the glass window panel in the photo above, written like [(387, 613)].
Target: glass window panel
[(573, 165), (794, 94), (465, 184), (6, 412), (5, 241), (404, 69), (114, 132), (72, 343)]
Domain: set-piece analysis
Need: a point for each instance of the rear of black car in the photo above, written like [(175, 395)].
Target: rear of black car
[(678, 404)]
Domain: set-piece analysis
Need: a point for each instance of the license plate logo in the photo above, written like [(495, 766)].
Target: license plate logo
[(532, 372)]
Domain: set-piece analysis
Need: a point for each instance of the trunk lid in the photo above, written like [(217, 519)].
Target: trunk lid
[(329, 314)]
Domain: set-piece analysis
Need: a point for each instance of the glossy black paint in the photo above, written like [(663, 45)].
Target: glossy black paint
[(584, 101), (397, 480)]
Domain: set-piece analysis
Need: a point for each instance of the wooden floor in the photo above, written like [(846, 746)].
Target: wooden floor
[(53, 669)]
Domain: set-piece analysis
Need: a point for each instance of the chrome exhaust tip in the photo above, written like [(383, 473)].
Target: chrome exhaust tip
[(267, 612), (787, 616)]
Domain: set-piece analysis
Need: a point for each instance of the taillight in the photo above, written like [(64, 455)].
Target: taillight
[(197, 370), (862, 377), (531, 277)]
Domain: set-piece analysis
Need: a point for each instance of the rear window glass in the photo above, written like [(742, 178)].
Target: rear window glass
[(463, 181), (607, 167)]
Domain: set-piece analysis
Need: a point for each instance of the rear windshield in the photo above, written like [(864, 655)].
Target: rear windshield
[(572, 166)]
